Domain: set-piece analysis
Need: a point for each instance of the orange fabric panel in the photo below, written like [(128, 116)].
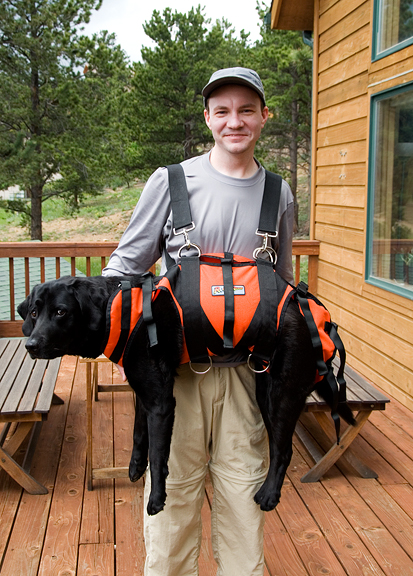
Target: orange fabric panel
[(116, 316)]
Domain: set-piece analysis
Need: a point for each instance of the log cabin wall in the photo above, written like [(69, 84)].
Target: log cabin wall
[(376, 324)]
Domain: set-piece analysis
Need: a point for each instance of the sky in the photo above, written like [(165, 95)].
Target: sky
[(126, 17)]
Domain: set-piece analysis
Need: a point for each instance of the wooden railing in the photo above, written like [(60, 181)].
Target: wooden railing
[(102, 250)]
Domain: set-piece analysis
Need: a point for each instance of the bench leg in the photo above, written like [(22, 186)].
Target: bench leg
[(17, 472), (338, 450), (89, 449)]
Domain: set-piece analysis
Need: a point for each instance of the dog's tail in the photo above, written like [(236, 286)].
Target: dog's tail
[(343, 409)]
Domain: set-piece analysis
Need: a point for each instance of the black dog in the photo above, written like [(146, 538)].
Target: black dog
[(68, 316)]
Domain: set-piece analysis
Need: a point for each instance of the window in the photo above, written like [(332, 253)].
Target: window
[(390, 220), (393, 26)]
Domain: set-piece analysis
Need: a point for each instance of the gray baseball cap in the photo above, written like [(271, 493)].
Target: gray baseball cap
[(238, 75)]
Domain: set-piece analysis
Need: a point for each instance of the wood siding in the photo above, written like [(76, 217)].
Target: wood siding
[(376, 325)]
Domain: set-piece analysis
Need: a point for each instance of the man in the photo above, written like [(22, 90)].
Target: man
[(218, 426)]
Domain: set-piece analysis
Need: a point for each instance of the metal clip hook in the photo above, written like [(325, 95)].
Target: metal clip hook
[(187, 244), (265, 247)]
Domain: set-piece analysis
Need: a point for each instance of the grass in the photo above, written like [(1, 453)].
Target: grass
[(93, 209)]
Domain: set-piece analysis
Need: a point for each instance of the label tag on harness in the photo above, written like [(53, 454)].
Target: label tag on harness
[(219, 290)]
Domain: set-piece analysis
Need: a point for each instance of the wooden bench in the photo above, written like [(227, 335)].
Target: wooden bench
[(26, 394), (362, 398)]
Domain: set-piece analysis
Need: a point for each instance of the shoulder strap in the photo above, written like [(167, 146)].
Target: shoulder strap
[(178, 191), (270, 203)]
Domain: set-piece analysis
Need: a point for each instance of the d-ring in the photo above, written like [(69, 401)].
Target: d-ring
[(253, 369), (188, 246), (271, 253), (207, 370)]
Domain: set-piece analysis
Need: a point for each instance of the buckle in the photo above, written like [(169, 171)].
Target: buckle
[(302, 289)]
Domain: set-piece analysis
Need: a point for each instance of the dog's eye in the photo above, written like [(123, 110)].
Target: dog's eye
[(33, 314), (60, 313)]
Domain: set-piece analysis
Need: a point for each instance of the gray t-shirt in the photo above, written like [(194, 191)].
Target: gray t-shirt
[(225, 211)]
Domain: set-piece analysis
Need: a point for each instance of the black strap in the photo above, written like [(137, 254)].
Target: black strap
[(147, 316), (265, 343), (323, 370), (192, 312), (229, 318), (178, 191), (270, 203), (125, 287), (333, 332)]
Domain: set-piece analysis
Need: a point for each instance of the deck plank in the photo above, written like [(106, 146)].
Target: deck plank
[(98, 507), (96, 560), (128, 495), (61, 545), (353, 554)]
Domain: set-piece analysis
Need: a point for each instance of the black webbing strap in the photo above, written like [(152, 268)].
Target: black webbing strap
[(264, 346), (125, 287), (178, 191), (270, 203), (342, 353), (301, 295), (192, 312), (147, 289), (229, 318)]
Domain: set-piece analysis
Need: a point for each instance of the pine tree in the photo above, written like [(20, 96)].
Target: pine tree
[(166, 118), (58, 92)]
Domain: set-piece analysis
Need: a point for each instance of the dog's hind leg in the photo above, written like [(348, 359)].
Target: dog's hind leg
[(139, 459), (160, 424), (280, 406)]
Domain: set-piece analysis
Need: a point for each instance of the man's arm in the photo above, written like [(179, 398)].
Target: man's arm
[(284, 264), (142, 242)]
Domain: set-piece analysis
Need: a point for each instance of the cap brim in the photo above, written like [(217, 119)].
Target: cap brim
[(209, 88)]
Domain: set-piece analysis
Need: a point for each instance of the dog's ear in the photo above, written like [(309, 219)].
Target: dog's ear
[(92, 295), (23, 310), (23, 307)]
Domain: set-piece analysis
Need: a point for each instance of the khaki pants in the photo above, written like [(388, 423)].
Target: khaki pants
[(218, 427)]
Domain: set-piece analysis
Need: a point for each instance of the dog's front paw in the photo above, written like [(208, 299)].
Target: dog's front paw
[(155, 504), (137, 469), (266, 498)]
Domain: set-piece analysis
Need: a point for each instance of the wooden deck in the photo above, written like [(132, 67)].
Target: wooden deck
[(341, 525)]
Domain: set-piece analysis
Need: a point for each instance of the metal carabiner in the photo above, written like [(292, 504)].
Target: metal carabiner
[(187, 244), (265, 247)]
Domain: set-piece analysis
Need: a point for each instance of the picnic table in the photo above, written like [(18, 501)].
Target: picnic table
[(26, 395)]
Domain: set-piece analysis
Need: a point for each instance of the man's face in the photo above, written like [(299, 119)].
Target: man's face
[(236, 118)]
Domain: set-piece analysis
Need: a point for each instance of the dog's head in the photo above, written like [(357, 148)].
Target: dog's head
[(65, 316)]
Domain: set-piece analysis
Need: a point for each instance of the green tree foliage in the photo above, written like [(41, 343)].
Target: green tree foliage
[(284, 63), (166, 118), (59, 93)]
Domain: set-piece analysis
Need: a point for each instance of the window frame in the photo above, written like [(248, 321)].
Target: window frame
[(375, 55), (387, 285)]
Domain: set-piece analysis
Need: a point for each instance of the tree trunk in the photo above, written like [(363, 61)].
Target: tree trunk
[(36, 184), (294, 159), (36, 213)]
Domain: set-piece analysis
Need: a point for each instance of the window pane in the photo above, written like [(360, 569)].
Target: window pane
[(392, 255), (395, 23)]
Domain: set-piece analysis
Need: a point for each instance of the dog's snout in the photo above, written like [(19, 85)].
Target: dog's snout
[(32, 346)]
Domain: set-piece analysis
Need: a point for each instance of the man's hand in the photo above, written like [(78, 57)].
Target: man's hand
[(121, 372)]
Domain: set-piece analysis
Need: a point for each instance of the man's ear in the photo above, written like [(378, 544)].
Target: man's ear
[(207, 118)]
